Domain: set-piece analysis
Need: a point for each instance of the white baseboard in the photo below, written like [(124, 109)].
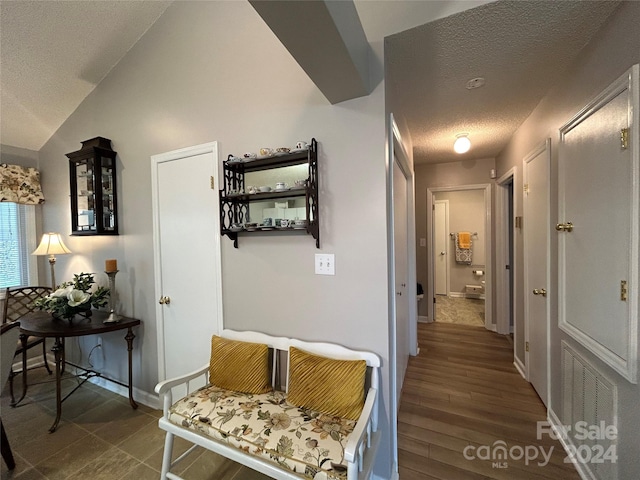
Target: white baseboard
[(140, 396), (520, 367), (34, 362), (424, 319), (481, 296), (568, 445), (394, 476)]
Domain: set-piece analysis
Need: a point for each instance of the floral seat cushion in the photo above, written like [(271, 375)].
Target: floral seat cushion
[(304, 441)]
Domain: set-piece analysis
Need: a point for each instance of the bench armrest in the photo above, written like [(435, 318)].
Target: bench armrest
[(164, 388), (362, 426)]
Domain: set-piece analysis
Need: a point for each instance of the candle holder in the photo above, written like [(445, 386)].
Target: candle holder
[(113, 316)]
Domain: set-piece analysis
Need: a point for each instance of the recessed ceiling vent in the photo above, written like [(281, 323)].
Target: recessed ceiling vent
[(475, 83)]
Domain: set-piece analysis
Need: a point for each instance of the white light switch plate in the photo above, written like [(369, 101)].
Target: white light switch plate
[(325, 264)]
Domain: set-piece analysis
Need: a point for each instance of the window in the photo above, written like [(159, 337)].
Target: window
[(17, 241)]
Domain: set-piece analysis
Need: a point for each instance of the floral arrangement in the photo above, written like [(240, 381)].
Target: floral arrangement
[(74, 297)]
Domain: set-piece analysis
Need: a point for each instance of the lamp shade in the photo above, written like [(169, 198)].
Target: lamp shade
[(51, 244), (462, 143)]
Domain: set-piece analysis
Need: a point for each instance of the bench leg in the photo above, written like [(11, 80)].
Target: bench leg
[(166, 456)]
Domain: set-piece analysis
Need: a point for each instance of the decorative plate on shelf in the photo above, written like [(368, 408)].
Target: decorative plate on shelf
[(281, 189), (298, 150)]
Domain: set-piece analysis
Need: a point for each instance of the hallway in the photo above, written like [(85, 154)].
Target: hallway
[(463, 392)]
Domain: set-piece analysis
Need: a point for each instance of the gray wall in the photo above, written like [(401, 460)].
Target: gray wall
[(612, 51), (214, 71), (466, 172), (466, 214)]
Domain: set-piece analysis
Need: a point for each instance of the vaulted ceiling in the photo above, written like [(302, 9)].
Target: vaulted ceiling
[(53, 54)]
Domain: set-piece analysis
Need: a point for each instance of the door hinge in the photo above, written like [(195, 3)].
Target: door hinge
[(624, 138), (526, 346), (518, 222), (526, 188), (433, 207), (507, 267), (213, 183), (623, 290)]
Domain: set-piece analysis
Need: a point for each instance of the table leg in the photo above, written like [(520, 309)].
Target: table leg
[(58, 350), (129, 338)]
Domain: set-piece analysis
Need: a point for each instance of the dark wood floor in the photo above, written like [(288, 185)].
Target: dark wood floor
[(463, 390)]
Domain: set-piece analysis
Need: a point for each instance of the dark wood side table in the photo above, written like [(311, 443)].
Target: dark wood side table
[(42, 324)]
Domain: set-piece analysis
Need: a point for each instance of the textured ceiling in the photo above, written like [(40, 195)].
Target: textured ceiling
[(521, 48), (54, 53)]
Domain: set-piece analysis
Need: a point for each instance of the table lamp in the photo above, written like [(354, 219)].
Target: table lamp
[(52, 245)]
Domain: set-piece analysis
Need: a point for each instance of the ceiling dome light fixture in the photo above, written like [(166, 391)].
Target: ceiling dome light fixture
[(462, 143)]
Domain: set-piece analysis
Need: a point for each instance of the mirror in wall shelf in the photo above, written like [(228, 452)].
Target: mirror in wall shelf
[(275, 192)]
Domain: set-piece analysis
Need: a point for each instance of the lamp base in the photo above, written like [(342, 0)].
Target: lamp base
[(112, 318)]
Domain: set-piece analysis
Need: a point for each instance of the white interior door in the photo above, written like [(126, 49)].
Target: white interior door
[(400, 226), (441, 245), (536, 266), (187, 257)]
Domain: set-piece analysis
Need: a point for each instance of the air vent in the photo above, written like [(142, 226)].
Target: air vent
[(589, 400)]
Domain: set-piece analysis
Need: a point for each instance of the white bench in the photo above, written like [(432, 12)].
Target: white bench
[(245, 427)]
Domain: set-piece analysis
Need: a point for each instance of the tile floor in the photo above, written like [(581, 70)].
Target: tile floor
[(100, 437), (464, 311)]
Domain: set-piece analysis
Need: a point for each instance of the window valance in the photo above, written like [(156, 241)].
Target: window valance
[(20, 185)]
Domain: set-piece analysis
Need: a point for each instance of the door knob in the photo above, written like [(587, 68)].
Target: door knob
[(443, 253), (564, 227), (540, 291), (164, 301)]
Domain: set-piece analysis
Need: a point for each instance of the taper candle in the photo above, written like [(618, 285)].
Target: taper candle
[(111, 265)]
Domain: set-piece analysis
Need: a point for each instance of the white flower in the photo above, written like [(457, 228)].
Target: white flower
[(62, 292), (77, 297)]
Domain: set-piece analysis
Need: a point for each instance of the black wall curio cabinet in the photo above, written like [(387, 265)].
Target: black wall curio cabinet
[(92, 175), (235, 201)]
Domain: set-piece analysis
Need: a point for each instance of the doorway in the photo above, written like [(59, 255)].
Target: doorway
[(505, 252), (468, 293)]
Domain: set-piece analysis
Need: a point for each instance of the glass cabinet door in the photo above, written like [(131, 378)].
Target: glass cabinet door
[(108, 201), (92, 171)]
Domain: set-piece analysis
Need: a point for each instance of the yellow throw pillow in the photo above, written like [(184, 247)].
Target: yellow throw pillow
[(334, 387), (239, 366)]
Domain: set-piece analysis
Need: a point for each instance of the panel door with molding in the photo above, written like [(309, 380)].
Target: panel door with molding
[(598, 226)]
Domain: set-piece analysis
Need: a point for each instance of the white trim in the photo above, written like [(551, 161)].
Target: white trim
[(567, 443), (502, 249), (627, 367), (140, 396), (394, 476), (488, 306), (206, 148), (398, 154), (520, 367)]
